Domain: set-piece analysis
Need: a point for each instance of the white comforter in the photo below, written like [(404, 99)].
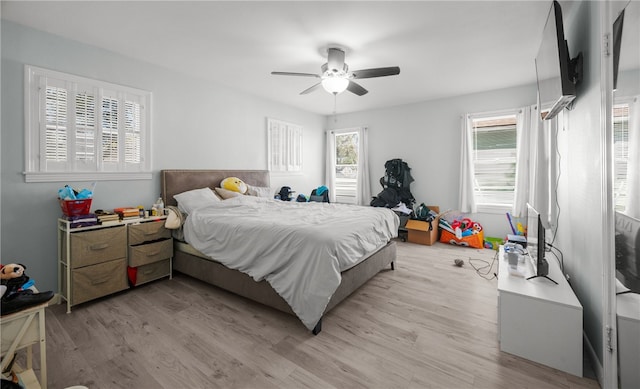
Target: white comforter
[(299, 248)]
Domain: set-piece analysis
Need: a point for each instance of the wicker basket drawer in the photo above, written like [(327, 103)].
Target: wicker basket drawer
[(145, 232), (153, 271), (151, 252), (99, 280), (92, 247)]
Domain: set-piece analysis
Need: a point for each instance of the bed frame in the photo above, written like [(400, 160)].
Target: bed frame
[(199, 266)]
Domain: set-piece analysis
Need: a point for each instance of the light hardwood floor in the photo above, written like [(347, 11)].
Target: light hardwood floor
[(428, 324)]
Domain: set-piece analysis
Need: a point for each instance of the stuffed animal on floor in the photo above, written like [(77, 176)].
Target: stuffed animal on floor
[(234, 184)]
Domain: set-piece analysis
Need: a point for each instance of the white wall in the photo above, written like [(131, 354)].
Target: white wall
[(196, 124), (427, 136)]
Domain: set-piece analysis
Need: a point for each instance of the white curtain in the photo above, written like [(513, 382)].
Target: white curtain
[(542, 167), (363, 191), (467, 199), (525, 119), (633, 167), (330, 170)]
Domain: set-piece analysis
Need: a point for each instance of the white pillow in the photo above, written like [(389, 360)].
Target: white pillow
[(260, 191), (227, 194), (194, 199)]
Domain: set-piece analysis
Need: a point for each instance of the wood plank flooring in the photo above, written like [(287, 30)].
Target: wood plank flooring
[(428, 324)]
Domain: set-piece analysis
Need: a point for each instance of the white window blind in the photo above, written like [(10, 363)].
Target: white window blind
[(82, 129), (620, 154), (494, 159), (285, 146)]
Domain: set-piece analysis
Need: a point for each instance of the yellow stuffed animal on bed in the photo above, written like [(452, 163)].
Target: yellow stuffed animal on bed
[(234, 184)]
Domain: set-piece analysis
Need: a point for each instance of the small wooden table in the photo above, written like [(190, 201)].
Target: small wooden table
[(21, 330)]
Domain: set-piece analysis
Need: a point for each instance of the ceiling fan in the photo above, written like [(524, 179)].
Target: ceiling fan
[(336, 77)]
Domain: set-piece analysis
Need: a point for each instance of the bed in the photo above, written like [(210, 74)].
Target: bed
[(191, 261)]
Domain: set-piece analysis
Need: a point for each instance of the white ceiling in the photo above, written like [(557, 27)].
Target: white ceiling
[(443, 48)]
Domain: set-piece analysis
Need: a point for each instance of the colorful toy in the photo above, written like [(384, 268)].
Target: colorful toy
[(234, 184), (462, 232)]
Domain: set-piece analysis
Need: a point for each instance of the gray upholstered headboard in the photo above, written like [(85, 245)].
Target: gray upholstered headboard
[(173, 182)]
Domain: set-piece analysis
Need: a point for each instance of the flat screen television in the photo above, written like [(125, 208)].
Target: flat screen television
[(536, 244), (556, 73), (617, 40), (627, 248)]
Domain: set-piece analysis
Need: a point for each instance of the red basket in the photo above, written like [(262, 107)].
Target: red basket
[(75, 207)]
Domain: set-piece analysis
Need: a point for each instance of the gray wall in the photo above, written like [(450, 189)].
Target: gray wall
[(196, 124)]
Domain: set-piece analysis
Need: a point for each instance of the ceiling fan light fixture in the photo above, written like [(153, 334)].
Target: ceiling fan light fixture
[(335, 85)]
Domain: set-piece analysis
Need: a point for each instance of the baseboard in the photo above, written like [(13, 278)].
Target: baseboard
[(593, 359)]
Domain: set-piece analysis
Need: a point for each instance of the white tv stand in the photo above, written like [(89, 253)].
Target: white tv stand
[(537, 319)]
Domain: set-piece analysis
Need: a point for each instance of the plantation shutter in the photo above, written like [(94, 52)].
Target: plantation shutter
[(133, 139), (56, 134), (285, 146), (110, 115), (85, 129), (80, 129)]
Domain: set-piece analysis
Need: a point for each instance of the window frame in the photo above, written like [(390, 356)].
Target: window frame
[(36, 80), (291, 161)]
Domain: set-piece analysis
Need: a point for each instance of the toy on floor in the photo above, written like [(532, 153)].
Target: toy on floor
[(461, 231)]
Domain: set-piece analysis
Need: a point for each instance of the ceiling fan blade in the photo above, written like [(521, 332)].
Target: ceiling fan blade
[(335, 59), (377, 72), (356, 88), (295, 74), (311, 89)]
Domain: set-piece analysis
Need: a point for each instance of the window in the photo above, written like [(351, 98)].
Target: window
[(620, 154), (346, 167), (285, 147), (81, 129), (494, 159)]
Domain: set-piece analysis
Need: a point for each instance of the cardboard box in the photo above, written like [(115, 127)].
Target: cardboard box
[(419, 230)]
